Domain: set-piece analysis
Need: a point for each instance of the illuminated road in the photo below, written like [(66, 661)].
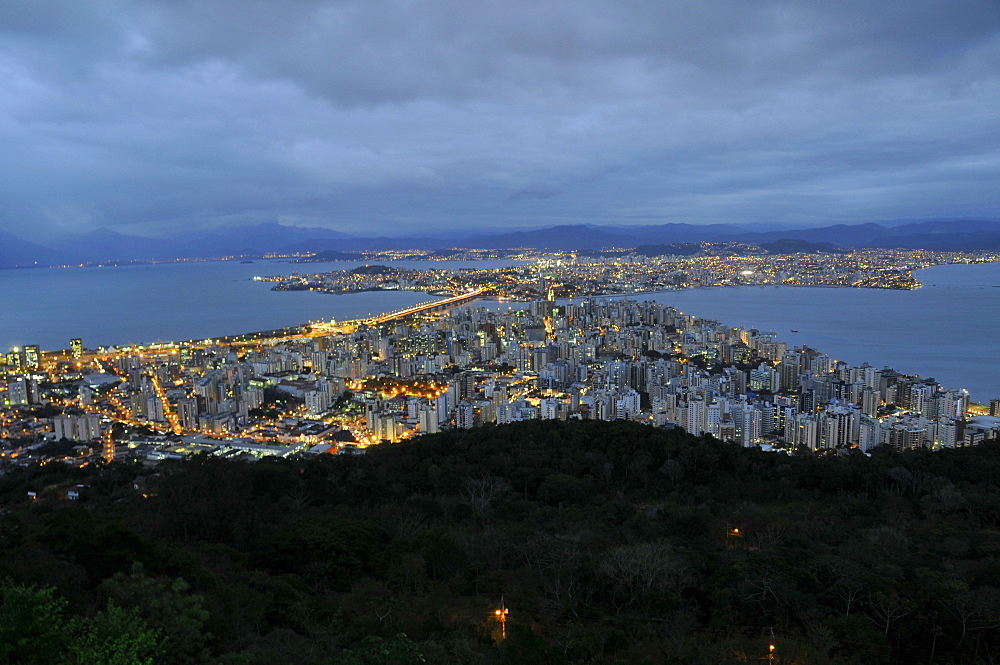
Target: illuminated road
[(168, 411), (460, 299), (164, 350), (349, 326)]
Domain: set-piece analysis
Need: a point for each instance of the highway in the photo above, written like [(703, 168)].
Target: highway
[(265, 338), (318, 329), (460, 299)]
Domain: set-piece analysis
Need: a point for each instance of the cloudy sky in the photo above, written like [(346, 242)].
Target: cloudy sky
[(400, 116)]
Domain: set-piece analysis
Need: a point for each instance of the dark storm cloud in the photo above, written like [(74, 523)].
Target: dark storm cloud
[(399, 116)]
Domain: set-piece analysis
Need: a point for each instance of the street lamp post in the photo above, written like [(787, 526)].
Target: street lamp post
[(501, 614)]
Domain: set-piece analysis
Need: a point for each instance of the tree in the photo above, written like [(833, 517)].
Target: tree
[(977, 609), (168, 604), (524, 647), (646, 567), (31, 625), (885, 607), (482, 491), (115, 637), (398, 650)]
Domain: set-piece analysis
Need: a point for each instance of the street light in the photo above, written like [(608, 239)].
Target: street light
[(501, 614)]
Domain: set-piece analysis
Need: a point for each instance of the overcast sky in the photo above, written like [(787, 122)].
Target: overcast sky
[(398, 116)]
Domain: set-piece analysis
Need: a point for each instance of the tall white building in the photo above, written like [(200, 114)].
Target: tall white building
[(549, 409), (465, 415), (84, 427), (628, 405), (428, 420), (694, 421), (317, 402)]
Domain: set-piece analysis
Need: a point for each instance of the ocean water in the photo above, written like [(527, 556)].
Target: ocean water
[(948, 330), (176, 301)]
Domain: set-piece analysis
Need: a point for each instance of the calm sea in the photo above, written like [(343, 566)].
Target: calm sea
[(175, 301), (948, 330)]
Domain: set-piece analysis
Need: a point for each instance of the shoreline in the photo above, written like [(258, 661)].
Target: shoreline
[(625, 294), (955, 277)]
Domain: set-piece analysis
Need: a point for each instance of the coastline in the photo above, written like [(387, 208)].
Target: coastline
[(114, 308)]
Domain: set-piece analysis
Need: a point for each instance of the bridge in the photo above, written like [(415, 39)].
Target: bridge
[(432, 306), (317, 329), (266, 337)]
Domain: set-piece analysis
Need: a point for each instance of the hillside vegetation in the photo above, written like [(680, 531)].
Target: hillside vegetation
[(607, 542)]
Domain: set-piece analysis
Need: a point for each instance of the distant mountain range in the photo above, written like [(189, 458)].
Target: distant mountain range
[(17, 252), (105, 246)]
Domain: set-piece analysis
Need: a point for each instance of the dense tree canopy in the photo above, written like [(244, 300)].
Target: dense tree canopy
[(608, 542)]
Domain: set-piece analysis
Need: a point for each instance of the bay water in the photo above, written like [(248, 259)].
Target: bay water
[(948, 330), (119, 305)]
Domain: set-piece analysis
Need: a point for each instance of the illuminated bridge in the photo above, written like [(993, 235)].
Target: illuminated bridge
[(433, 306), (162, 350), (317, 329)]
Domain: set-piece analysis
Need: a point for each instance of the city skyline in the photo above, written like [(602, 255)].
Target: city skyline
[(397, 118), (436, 367)]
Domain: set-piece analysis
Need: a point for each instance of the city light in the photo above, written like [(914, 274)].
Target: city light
[(455, 363)]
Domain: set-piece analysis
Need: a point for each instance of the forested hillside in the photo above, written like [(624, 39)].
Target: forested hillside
[(607, 543)]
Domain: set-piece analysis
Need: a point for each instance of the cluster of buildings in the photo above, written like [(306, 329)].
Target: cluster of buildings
[(572, 275), (468, 366)]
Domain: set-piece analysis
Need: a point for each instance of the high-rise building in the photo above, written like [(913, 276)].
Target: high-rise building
[(802, 430), (919, 397), (465, 415), (85, 427), (108, 452), (32, 356), (17, 392), (713, 418), (428, 420), (905, 437), (695, 420), (22, 390), (789, 371), (549, 409), (76, 347), (154, 409), (386, 428), (871, 400), (627, 404), (187, 411), (837, 427), (764, 378), (870, 433), (13, 359), (947, 433), (317, 401)]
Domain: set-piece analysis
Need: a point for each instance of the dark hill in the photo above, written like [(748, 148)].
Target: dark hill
[(790, 246), (674, 249), (937, 235), (568, 237), (608, 542), (15, 252), (675, 232), (954, 242), (374, 270)]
